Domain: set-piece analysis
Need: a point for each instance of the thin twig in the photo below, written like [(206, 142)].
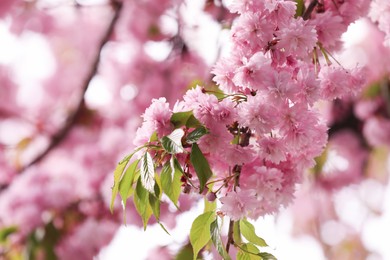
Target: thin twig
[(309, 9), (230, 236), (57, 138)]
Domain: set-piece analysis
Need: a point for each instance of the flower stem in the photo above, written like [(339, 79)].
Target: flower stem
[(309, 9), (230, 236)]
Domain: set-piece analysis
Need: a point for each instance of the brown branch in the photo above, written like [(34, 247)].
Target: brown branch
[(309, 9), (230, 239), (58, 137)]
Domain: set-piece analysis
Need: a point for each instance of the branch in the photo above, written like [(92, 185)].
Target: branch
[(230, 239), (57, 138), (309, 9)]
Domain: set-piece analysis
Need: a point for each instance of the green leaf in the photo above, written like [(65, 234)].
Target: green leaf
[(127, 181), (320, 162), (248, 252), (216, 91), (147, 172), (177, 165), (300, 8), (267, 256), (141, 202), (242, 255), (154, 202), (154, 137), (192, 122), (217, 241), (248, 231), (117, 177), (172, 143), (5, 232), (372, 91), (126, 185), (209, 205), (195, 135), (237, 233), (200, 231), (250, 248), (179, 119), (185, 253), (171, 186), (201, 166)]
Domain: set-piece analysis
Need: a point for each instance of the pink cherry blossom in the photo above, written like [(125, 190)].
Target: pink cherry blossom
[(254, 73), (239, 204), (329, 28), (377, 131), (298, 38), (258, 114)]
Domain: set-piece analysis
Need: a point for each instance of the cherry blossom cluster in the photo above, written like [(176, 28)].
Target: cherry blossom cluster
[(380, 13), (264, 128)]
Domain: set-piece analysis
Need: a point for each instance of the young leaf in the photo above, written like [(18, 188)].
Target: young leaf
[(201, 166), (172, 143), (185, 253), (179, 119), (237, 233), (248, 252), (248, 231), (192, 122), (6, 231), (217, 241), (117, 177), (141, 202), (242, 255), (300, 8), (200, 231), (147, 172), (171, 187), (267, 256), (195, 135), (127, 181), (209, 205), (154, 202), (154, 137)]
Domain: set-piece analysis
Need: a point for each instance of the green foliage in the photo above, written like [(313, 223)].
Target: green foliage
[(372, 91), (147, 172), (154, 202), (184, 119), (217, 241), (141, 202), (117, 177), (172, 143), (201, 166), (126, 183), (237, 233), (200, 231), (195, 135), (300, 8), (5, 232), (170, 181), (248, 252), (41, 245), (154, 137), (185, 253), (267, 256), (248, 231), (210, 205)]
